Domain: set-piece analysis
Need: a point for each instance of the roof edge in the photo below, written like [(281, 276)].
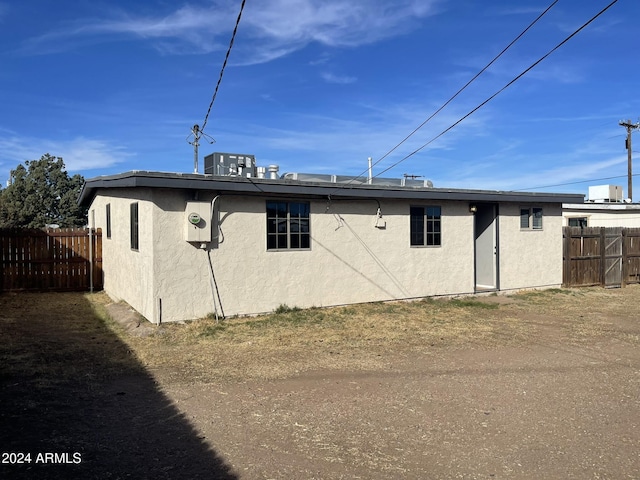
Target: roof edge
[(264, 186)]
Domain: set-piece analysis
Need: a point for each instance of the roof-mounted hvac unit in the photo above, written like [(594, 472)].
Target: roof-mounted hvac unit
[(230, 164), (606, 194)]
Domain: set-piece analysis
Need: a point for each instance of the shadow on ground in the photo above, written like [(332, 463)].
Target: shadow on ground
[(71, 389)]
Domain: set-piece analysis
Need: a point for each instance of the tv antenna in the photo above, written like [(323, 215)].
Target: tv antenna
[(412, 177), (197, 134)]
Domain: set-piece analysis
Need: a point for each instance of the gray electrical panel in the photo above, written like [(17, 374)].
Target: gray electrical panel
[(198, 222), (230, 164)]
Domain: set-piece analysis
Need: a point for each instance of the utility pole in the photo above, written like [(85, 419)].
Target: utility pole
[(630, 128), (197, 133)]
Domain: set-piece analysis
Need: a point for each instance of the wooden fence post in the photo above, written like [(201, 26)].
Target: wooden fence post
[(603, 257), (566, 257), (625, 269)]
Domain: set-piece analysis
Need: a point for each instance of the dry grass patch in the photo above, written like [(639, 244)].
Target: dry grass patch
[(54, 337), (365, 337), (293, 340)]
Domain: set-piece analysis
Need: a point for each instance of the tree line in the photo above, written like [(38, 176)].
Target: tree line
[(41, 193)]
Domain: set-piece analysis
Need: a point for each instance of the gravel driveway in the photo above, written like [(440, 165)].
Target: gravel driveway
[(551, 406)]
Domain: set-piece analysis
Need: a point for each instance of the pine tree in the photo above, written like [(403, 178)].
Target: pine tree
[(40, 194)]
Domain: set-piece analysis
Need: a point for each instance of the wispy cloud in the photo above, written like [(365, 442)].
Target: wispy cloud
[(269, 30), (603, 25), (568, 173), (78, 153), (186, 30), (559, 169), (508, 68), (340, 145), (339, 79), (321, 60), (521, 10), (564, 73)]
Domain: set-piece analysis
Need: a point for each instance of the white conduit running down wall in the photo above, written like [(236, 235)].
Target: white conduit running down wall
[(212, 279)]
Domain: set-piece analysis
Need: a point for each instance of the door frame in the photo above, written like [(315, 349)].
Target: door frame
[(487, 213)]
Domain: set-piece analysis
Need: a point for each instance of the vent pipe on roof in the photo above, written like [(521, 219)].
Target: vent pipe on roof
[(273, 172)]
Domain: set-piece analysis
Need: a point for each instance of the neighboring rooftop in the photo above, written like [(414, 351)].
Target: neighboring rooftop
[(606, 194), (618, 207)]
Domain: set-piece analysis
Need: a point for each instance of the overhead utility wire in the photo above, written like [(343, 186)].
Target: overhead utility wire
[(467, 84), (533, 65), (473, 79), (224, 64), (573, 183)]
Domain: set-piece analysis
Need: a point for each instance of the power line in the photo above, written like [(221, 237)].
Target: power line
[(474, 78), (196, 130), (524, 72), (224, 64), (533, 65), (467, 84), (572, 183)]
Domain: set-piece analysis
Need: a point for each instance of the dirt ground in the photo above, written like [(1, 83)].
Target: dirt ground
[(553, 392)]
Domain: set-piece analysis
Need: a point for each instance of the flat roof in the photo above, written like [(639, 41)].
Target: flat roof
[(610, 207), (281, 187)]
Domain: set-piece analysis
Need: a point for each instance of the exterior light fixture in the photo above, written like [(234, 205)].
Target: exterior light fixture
[(473, 208)]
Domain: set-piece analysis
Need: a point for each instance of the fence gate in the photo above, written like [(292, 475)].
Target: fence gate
[(64, 259), (601, 256), (613, 257)]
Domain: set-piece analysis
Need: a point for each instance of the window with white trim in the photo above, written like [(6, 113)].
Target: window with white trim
[(581, 222), (425, 228), (288, 225), (531, 218)]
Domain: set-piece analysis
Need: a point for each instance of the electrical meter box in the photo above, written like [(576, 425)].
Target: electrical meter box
[(198, 222)]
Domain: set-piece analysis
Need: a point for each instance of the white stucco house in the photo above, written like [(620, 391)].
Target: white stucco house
[(605, 207), (601, 215), (182, 246)]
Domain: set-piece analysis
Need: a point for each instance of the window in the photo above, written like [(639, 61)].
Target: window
[(425, 226), (531, 218), (134, 226), (108, 212), (581, 222), (288, 225)]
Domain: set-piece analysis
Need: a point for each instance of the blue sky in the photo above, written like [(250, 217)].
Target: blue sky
[(320, 85)]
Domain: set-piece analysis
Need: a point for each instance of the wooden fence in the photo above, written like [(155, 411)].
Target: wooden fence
[(65, 259), (601, 256)]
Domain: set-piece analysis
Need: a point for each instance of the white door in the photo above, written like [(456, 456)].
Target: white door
[(486, 247)]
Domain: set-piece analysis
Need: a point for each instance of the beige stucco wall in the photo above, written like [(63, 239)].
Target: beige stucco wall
[(530, 258), (128, 274), (629, 218), (350, 260), (180, 268)]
